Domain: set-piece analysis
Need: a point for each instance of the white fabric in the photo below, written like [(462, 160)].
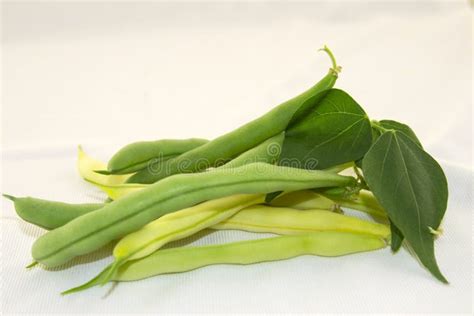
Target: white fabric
[(102, 75)]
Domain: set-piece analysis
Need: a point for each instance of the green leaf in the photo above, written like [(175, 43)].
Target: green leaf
[(375, 134), (327, 130), (397, 236), (403, 128), (412, 188)]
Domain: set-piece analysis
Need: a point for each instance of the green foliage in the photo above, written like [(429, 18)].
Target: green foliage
[(412, 188), (327, 130)]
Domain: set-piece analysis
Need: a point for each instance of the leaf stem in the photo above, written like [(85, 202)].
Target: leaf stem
[(335, 68), (363, 201), (375, 124)]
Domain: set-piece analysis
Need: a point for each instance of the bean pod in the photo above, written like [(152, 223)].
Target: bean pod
[(288, 221), (116, 219), (140, 155), (174, 226), (49, 214), (181, 224), (230, 145), (326, 244)]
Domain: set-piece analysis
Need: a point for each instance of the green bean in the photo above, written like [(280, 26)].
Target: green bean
[(268, 151), (181, 224), (154, 164), (49, 214), (140, 155), (288, 221), (243, 138), (174, 226), (326, 244), (86, 166), (224, 214), (303, 200), (116, 219)]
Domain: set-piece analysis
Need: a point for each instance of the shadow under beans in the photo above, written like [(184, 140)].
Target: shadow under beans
[(174, 244), (107, 250), (30, 229), (35, 232), (188, 240), (110, 290), (99, 254)]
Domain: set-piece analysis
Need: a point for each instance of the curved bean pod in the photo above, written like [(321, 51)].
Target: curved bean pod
[(181, 224), (326, 244), (287, 221), (243, 138), (115, 192), (174, 226), (116, 219), (268, 151), (229, 213), (49, 214), (86, 166), (139, 155)]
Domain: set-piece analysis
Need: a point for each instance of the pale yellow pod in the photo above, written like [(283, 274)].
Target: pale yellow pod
[(86, 165), (173, 260), (118, 191), (181, 224), (288, 221), (113, 185)]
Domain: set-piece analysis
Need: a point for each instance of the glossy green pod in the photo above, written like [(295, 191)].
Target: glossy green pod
[(173, 226), (116, 219), (49, 214), (230, 145), (268, 152), (140, 155)]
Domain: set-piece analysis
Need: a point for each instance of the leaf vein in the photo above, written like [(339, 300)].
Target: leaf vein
[(332, 138), (410, 185)]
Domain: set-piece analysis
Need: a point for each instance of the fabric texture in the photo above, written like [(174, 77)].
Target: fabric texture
[(103, 75)]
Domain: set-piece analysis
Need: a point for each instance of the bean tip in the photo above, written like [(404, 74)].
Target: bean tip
[(80, 149), (10, 197), (70, 291), (31, 265), (104, 172)]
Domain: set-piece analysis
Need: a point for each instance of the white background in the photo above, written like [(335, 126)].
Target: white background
[(105, 74)]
